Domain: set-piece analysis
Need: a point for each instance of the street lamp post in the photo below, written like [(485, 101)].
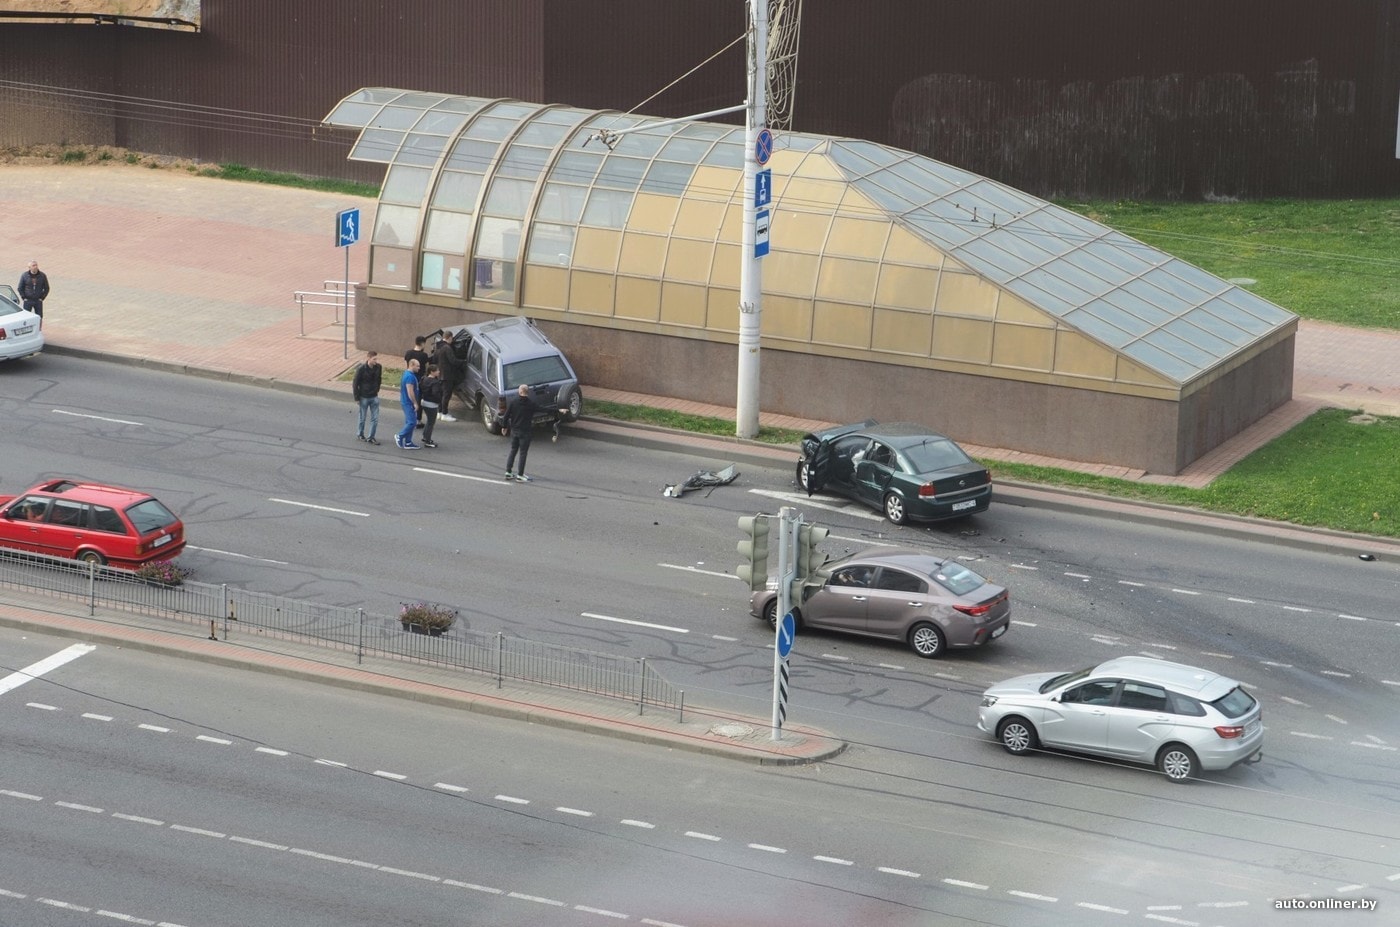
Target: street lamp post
[(750, 271)]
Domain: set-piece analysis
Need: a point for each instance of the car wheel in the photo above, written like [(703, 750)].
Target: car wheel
[(894, 508), (574, 403), (804, 476), (488, 415), (926, 640), (770, 612), (93, 557), (1017, 735), (1178, 763)]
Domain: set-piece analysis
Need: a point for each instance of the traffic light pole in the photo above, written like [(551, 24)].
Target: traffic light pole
[(787, 560)]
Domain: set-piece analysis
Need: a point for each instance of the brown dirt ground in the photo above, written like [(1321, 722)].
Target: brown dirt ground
[(108, 7), (100, 155)]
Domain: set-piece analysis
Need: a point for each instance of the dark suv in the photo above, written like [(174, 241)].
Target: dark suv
[(500, 355)]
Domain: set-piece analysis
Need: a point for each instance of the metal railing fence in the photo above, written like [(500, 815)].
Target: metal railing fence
[(230, 611)]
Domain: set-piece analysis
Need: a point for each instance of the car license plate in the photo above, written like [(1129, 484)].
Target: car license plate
[(1251, 727), (161, 541), (959, 506), (999, 631), (25, 330)]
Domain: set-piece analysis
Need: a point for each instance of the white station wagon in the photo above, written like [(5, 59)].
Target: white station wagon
[(21, 331)]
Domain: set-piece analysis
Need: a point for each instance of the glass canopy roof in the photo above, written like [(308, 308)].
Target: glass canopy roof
[(1162, 313)]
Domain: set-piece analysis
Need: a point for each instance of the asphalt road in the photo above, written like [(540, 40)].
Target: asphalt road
[(278, 496)]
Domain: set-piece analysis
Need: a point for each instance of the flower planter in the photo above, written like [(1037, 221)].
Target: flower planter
[(422, 629)]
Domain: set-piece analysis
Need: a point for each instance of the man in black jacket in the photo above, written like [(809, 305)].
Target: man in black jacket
[(34, 288), (369, 378), (520, 425), (451, 369)]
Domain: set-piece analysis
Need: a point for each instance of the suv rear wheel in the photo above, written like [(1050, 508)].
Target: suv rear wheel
[(488, 415), (574, 403)]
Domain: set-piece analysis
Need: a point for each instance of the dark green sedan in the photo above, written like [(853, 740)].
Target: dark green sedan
[(904, 470)]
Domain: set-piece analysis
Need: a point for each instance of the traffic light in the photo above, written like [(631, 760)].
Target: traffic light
[(809, 559), (754, 549)]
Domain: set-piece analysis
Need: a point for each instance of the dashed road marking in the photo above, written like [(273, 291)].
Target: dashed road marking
[(321, 508), (961, 884), (898, 872), (640, 624), (1186, 591), (1032, 896), (837, 861)]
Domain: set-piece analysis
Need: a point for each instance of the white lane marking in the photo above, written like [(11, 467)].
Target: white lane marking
[(640, 624), (5, 893), (199, 831), (690, 569), (1335, 673), (1077, 575), (1335, 718), (890, 666), (1389, 682), (961, 884), (1124, 582), (320, 508), (536, 898), (1279, 665), (333, 763), (899, 872), (98, 418), (1349, 888), (721, 637), (1223, 656), (1025, 624), (89, 715), (655, 923), (461, 476), (804, 500), (836, 656), (426, 877), (1352, 617), (1374, 739), (313, 854), (1293, 701), (1023, 566), (1241, 601), (1164, 907), (513, 801), (397, 777), (137, 819), (262, 844), (24, 795), (41, 706), (1310, 736), (575, 811), (1166, 919), (837, 861), (66, 905), (1162, 646), (70, 805), (1100, 907), (1186, 591), (35, 670), (229, 553), (1359, 743), (602, 912), (1392, 878), (765, 848), (476, 888), (271, 751), (699, 836), (948, 676), (450, 788), (642, 824), (1032, 896), (1295, 608), (126, 918), (214, 740)]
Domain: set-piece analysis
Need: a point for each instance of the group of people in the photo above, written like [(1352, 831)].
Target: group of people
[(425, 395)]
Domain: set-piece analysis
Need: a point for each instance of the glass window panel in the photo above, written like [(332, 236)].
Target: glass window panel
[(508, 197), (1197, 358), (577, 166), (390, 266), (1164, 362), (396, 117), (943, 232), (608, 208), (1129, 322), (1050, 291), (799, 142), (1147, 302), (1094, 265), (498, 238), (1232, 317), (551, 244), (1123, 253), (470, 154), (985, 256), (376, 145), (396, 225), (523, 161), (353, 113), (421, 149), (706, 130), (561, 203), (892, 191), (1216, 348), (513, 112), (456, 190), (668, 177), (541, 133), (448, 231), (644, 144), (405, 185), (1250, 311), (491, 128), (467, 105), (1073, 277), (915, 176), (419, 100), (441, 273), (726, 154), (440, 122), (689, 150), (878, 155), (1003, 200), (1193, 286), (1093, 325), (621, 173), (1063, 224)]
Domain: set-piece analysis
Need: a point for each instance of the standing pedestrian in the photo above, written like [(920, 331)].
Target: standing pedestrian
[(34, 288), (431, 388), (452, 369), (408, 398), (417, 353), (369, 379), (520, 425)]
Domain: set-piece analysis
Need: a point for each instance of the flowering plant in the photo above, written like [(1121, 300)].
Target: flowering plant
[(166, 572), (428, 615)]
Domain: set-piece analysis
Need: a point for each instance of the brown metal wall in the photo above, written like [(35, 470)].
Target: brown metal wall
[(1192, 98)]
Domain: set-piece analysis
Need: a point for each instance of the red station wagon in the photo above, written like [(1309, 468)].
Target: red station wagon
[(92, 523)]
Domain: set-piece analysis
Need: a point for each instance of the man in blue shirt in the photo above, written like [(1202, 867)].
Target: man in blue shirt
[(408, 398)]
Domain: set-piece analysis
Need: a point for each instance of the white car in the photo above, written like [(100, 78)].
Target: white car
[(1178, 718), (21, 331)]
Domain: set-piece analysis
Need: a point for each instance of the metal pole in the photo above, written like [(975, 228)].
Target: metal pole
[(785, 518), (346, 350), (750, 273)]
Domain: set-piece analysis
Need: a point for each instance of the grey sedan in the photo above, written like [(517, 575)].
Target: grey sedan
[(930, 603)]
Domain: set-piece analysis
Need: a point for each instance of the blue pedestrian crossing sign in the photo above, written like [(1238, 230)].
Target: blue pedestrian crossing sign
[(347, 225), (787, 634), (763, 188)]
